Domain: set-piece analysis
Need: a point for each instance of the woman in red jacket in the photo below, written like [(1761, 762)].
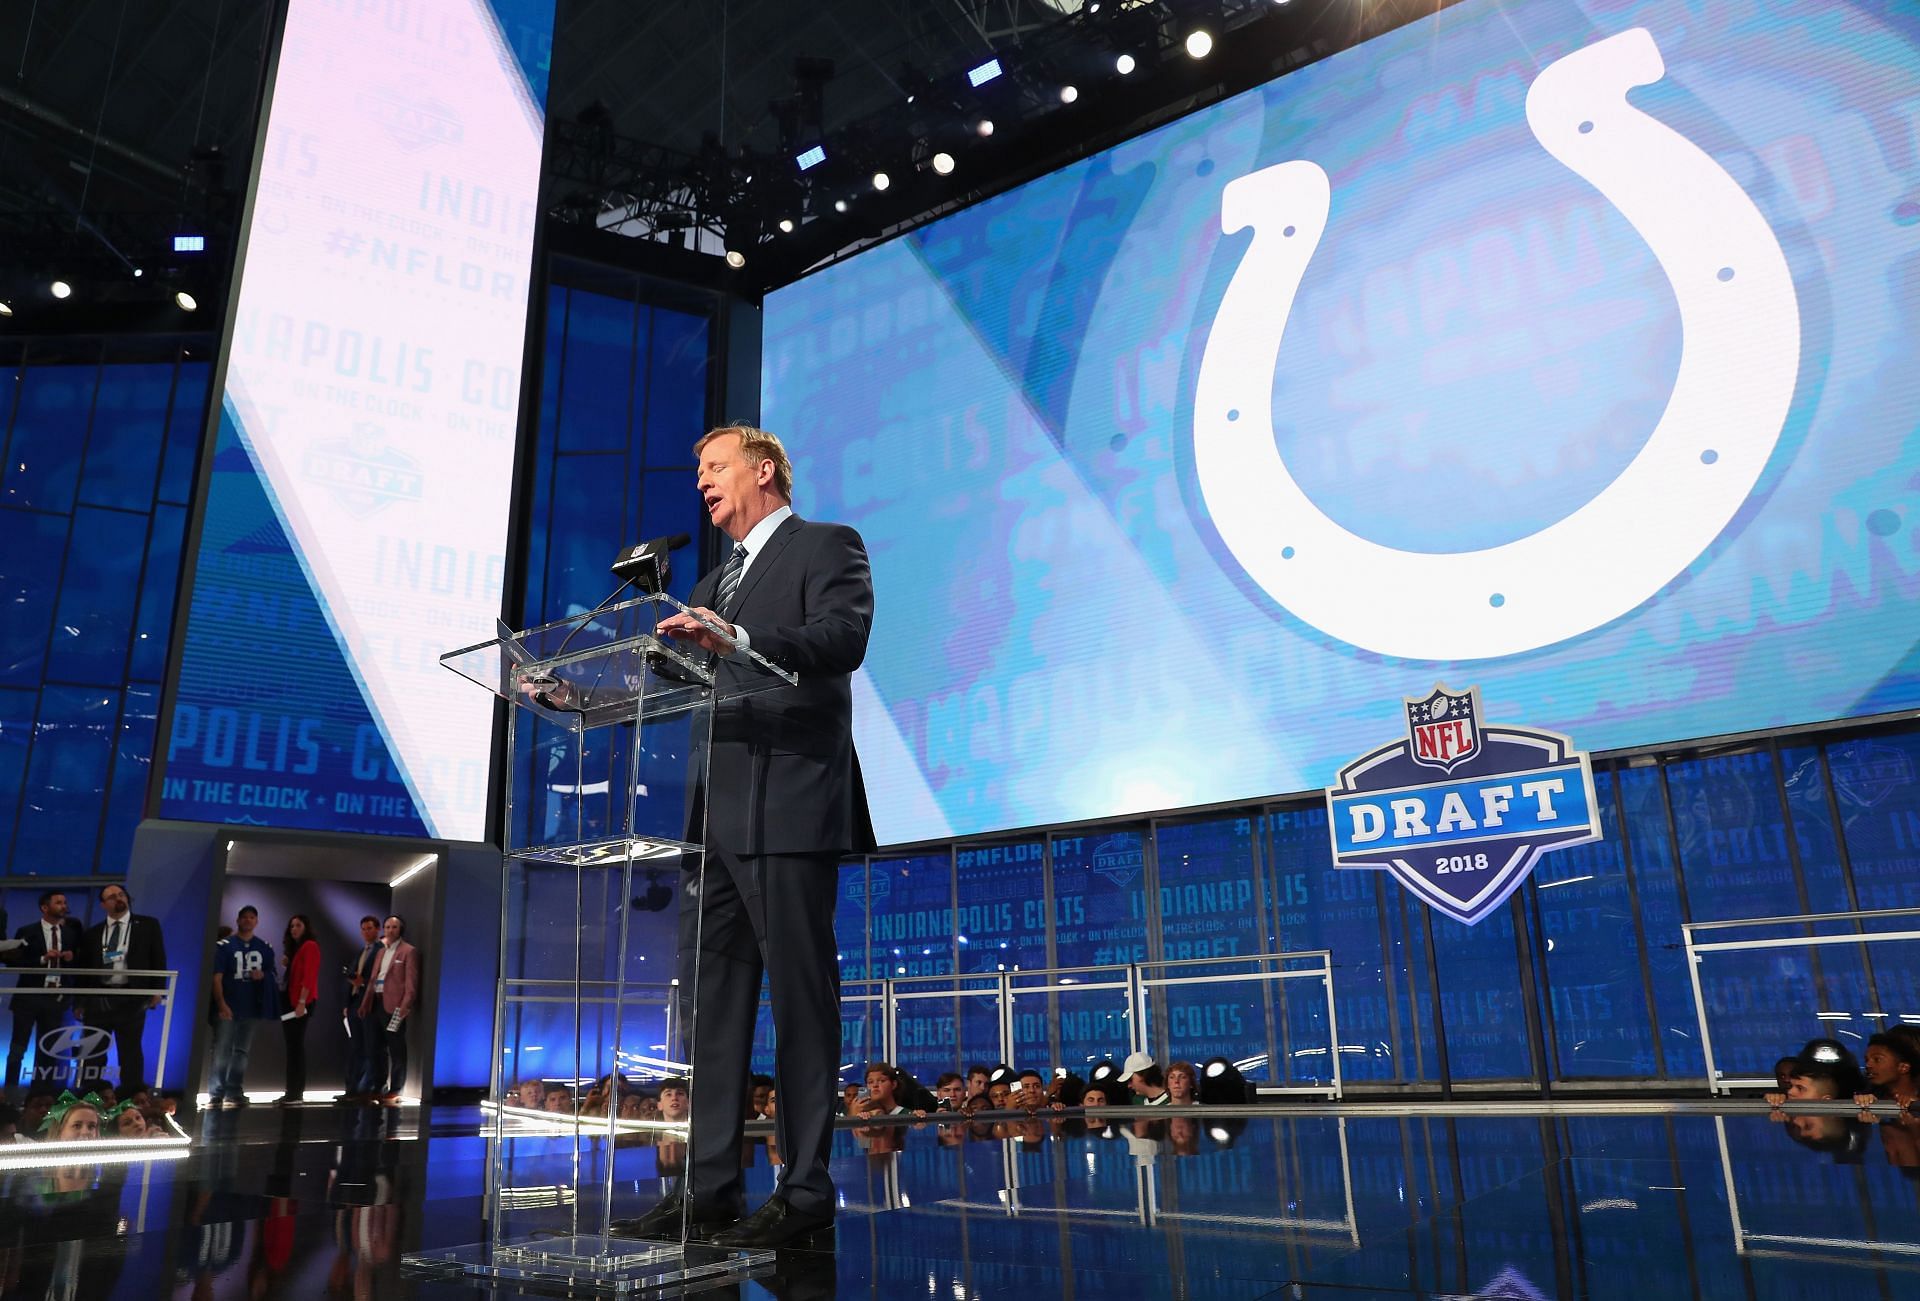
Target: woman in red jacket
[(302, 988)]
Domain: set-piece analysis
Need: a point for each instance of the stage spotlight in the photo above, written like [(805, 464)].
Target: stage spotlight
[(1104, 1074), (839, 205), (1069, 93), (881, 180), (186, 301), (786, 225), (6, 309), (986, 72), (1200, 43), (1221, 1082), (943, 164), (1124, 64), (984, 127), (61, 289), (736, 259), (137, 273)]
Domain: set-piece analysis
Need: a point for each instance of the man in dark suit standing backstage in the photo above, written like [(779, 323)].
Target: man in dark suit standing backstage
[(124, 941), (783, 804), (43, 997)]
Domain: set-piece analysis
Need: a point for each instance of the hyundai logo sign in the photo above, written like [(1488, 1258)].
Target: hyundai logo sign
[(73, 1043)]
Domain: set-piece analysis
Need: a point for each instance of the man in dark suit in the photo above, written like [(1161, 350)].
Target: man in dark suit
[(125, 941), (781, 804), (42, 996)]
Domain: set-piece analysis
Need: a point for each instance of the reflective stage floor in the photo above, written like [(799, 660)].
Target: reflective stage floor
[(1452, 1201)]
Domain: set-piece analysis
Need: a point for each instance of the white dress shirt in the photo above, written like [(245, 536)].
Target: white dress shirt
[(755, 540), (52, 939), (116, 947)]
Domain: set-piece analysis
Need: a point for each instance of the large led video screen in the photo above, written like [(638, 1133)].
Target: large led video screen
[(356, 513), (1563, 350)]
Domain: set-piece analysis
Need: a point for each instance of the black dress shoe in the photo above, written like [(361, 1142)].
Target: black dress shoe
[(778, 1225), (662, 1223)]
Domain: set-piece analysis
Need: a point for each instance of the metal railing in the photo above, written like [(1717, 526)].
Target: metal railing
[(1131, 979), (90, 989), (1696, 950)]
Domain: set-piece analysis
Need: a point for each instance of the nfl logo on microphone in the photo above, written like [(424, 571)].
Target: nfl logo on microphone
[(1457, 811)]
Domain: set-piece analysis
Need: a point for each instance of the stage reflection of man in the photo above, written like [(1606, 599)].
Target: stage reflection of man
[(782, 802)]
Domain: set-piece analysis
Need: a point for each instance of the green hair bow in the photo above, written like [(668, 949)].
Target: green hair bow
[(57, 1113)]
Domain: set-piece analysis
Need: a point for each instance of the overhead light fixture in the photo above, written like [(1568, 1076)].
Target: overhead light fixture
[(1200, 43), (943, 164), (186, 301), (984, 127), (137, 273), (839, 205), (985, 72), (6, 309), (1069, 93), (1125, 64), (189, 243), (811, 158), (425, 862), (786, 225), (881, 180), (736, 259), (61, 289)]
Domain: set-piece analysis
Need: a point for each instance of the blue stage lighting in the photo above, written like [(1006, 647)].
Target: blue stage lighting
[(812, 158), (986, 72)]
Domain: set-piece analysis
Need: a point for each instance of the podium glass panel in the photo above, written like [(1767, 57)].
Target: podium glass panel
[(607, 734)]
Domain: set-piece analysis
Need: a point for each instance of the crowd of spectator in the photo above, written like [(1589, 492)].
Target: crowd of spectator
[(1826, 1070), (55, 1115), (1139, 1081)]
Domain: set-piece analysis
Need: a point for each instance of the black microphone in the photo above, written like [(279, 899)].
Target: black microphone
[(645, 563)]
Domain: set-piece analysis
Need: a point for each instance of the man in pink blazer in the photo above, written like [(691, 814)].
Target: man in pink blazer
[(387, 1005)]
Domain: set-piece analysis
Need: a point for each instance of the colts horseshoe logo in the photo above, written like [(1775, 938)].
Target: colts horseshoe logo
[(1739, 354)]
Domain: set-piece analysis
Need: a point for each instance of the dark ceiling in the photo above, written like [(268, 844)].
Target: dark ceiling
[(124, 120), (103, 103), (666, 69)]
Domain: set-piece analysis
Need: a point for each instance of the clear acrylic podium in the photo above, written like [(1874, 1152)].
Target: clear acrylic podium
[(607, 725)]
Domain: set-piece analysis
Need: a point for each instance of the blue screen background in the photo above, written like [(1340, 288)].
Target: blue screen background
[(1001, 403)]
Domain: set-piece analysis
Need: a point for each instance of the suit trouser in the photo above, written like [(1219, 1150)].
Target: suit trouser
[(359, 1054), (736, 942), (126, 1020), (35, 1016), (388, 1051)]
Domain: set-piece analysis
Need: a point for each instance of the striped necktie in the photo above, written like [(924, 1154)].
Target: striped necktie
[(730, 576)]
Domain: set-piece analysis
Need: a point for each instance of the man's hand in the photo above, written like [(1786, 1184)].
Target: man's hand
[(226, 1014), (153, 1002), (257, 974), (684, 627)]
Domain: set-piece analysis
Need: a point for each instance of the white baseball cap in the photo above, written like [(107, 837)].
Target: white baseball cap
[(1135, 1063)]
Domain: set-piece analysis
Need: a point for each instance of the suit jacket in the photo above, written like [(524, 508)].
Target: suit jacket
[(34, 976), (782, 776), (145, 952), (403, 982)]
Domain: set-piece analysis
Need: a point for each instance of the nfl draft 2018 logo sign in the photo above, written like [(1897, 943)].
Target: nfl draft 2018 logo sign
[(1460, 812)]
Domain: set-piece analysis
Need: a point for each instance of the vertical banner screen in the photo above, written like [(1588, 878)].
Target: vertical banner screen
[(355, 523)]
